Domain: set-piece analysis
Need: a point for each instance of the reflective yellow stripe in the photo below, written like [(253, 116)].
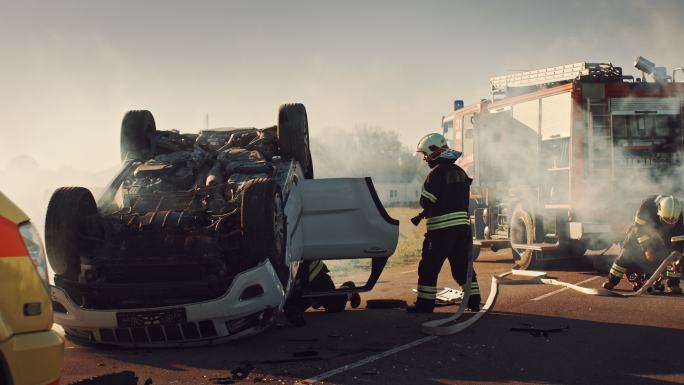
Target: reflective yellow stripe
[(429, 196), (314, 269), (427, 292), (643, 239), (672, 274), (429, 289), (451, 223), (639, 221), (677, 238), (474, 288), (618, 270), (444, 217), (427, 295)]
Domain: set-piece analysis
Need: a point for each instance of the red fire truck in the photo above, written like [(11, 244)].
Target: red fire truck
[(562, 156)]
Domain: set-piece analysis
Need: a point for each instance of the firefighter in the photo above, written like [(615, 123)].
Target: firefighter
[(317, 280), (444, 198), (657, 231)]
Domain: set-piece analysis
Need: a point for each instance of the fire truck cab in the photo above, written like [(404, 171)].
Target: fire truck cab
[(561, 157)]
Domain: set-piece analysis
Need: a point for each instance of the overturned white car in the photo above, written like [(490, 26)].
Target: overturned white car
[(200, 237)]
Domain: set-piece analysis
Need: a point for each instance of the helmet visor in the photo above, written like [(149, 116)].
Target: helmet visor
[(669, 220)]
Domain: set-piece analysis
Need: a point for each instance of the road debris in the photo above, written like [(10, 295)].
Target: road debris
[(385, 304), (533, 331), (126, 377)]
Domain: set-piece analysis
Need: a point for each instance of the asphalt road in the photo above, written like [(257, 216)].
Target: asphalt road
[(607, 341)]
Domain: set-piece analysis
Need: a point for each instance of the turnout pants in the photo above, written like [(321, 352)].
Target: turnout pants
[(453, 243), (633, 259)]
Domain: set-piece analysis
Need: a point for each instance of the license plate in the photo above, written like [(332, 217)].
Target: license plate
[(151, 318)]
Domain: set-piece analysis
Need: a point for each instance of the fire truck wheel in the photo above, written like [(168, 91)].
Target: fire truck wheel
[(137, 132), (293, 136), (65, 223), (522, 233), (263, 224)]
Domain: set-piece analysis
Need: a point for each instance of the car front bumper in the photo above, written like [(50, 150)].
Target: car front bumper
[(248, 306)]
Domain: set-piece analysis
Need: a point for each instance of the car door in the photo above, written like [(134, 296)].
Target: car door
[(339, 218)]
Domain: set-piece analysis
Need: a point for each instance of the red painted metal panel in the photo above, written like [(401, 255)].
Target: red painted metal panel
[(11, 243)]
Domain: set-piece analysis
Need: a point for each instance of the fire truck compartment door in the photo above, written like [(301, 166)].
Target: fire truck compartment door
[(342, 218)]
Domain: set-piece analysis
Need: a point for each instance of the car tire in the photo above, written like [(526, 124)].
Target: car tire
[(263, 224), (65, 221), (137, 132), (293, 136)]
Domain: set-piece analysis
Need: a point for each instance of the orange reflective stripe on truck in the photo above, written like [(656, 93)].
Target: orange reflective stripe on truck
[(11, 244)]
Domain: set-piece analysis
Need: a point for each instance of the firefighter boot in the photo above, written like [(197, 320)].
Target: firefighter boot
[(617, 272), (659, 286), (638, 284), (474, 299), (611, 282), (354, 298), (674, 289), (421, 306), (674, 275), (474, 302)]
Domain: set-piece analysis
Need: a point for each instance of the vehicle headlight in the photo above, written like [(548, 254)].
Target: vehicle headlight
[(35, 249)]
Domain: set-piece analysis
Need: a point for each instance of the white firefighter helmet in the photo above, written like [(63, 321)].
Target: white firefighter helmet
[(434, 146), (669, 209)]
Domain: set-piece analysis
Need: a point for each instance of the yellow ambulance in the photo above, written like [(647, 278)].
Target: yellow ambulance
[(30, 351)]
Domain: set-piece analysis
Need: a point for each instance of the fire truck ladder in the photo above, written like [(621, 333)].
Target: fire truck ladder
[(554, 75)]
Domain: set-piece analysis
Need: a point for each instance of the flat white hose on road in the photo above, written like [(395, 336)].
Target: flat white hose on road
[(447, 326)]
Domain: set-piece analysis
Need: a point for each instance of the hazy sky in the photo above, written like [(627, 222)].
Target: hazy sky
[(71, 69)]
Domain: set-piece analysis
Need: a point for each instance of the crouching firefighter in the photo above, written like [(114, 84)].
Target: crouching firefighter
[(445, 197), (314, 277), (657, 231)]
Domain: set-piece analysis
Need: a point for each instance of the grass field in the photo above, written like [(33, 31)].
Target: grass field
[(408, 247)]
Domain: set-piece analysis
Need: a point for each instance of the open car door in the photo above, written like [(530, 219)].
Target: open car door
[(341, 218)]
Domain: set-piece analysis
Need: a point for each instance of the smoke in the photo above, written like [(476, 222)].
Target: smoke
[(364, 151), (30, 185)]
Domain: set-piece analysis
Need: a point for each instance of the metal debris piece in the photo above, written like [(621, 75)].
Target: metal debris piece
[(540, 332), (450, 295), (447, 296)]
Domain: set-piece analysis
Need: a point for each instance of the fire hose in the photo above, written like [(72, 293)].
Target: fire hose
[(448, 326)]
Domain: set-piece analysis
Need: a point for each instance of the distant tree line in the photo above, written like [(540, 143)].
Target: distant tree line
[(365, 151)]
